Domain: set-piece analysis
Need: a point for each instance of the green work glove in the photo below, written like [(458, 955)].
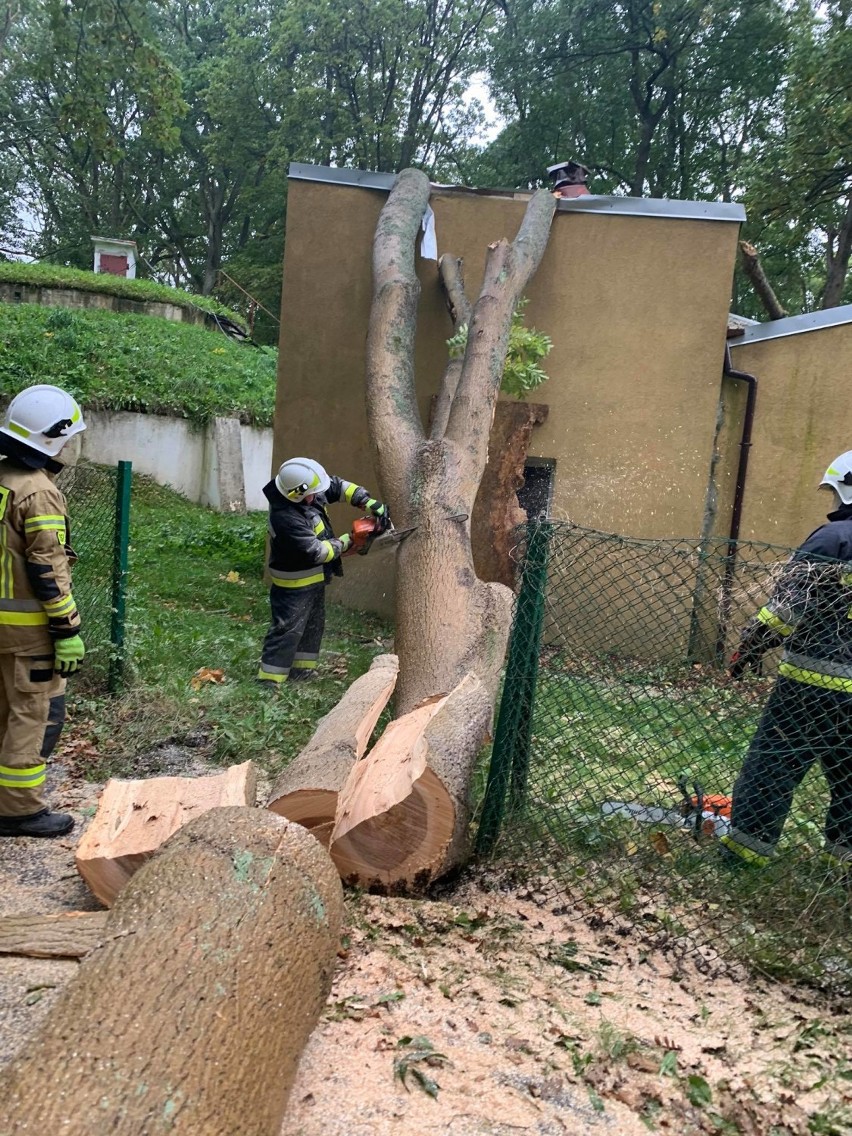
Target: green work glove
[(346, 543), (380, 511), (69, 654)]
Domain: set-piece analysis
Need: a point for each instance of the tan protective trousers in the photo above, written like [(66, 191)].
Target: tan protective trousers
[(32, 712)]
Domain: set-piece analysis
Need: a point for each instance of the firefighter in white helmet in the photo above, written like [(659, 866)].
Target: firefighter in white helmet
[(40, 640), (304, 555), (808, 717)]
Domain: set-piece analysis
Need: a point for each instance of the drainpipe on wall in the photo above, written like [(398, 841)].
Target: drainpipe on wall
[(730, 372)]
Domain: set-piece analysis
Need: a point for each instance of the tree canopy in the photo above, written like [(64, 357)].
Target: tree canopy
[(172, 122)]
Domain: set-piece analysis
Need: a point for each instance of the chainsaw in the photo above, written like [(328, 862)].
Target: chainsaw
[(370, 533), (702, 813)]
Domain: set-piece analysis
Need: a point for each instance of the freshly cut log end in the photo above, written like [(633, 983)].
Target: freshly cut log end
[(191, 1016), (306, 792), (402, 817), (134, 818)]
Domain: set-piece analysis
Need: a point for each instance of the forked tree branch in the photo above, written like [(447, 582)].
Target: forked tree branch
[(508, 269), (760, 282), (458, 305), (393, 416)]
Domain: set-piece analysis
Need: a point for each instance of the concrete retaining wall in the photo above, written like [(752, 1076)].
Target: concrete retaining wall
[(224, 466), (78, 298)]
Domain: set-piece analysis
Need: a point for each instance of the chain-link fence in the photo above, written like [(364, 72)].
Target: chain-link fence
[(99, 507), (621, 736)]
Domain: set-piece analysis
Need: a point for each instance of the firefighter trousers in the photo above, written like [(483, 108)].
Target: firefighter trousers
[(801, 724), (32, 713), (292, 644)]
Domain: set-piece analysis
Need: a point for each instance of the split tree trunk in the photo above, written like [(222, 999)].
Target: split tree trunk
[(448, 622), (403, 815), (216, 963), (135, 817), (306, 792)]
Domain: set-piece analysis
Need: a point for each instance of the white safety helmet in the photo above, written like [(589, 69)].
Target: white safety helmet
[(44, 418), (839, 477), (300, 477)]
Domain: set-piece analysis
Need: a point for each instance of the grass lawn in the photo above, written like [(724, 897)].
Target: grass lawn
[(197, 603)]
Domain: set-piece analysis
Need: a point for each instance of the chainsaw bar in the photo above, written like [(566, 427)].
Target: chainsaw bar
[(390, 538)]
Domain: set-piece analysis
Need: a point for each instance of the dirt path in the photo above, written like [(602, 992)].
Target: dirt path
[(492, 1012)]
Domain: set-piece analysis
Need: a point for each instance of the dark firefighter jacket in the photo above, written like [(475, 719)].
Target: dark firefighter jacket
[(303, 549), (36, 604), (810, 609)]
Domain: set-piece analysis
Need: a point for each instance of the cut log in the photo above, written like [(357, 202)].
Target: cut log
[(69, 934), (191, 1017), (402, 816), (135, 817), (306, 791)]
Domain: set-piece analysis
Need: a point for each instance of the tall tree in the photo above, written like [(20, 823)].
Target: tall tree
[(659, 97), (800, 191), (88, 104)]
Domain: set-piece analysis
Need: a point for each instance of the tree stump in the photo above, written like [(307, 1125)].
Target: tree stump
[(135, 817), (216, 962), (402, 816), (306, 792)]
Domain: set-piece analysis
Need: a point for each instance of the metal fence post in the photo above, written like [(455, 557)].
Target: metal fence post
[(511, 752), (119, 576)]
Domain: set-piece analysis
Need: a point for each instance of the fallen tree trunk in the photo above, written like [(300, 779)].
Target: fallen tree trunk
[(216, 963), (306, 792), (135, 818), (69, 934), (402, 817)]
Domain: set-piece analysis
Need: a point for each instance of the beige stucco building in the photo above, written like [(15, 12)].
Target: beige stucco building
[(633, 292), (642, 433)]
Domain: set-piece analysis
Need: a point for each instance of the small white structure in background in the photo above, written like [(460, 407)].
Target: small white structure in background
[(118, 258)]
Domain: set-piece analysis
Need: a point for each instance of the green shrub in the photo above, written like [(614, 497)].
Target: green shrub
[(111, 361)]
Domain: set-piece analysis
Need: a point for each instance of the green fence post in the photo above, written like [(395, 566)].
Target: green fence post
[(510, 755), (119, 576)]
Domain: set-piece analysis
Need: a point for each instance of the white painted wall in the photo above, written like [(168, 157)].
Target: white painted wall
[(175, 454)]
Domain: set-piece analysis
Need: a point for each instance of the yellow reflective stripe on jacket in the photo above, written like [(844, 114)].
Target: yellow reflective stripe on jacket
[(23, 618), (329, 550), (297, 579), (7, 589), (814, 678), (62, 606), (45, 521), (349, 491), (319, 526), (30, 777), (772, 620)]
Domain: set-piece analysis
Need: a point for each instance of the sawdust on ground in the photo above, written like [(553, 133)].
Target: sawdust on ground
[(492, 1012)]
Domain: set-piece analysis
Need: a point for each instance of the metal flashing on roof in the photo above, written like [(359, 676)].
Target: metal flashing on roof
[(629, 206), (366, 179), (794, 325), (654, 207)]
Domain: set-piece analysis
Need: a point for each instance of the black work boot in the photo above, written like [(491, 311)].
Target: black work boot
[(44, 823)]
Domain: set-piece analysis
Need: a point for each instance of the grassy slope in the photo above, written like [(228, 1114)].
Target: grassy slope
[(57, 276), (142, 363)]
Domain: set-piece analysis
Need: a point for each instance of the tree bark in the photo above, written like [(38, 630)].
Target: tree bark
[(403, 815), (135, 817), (759, 281), (307, 790), (70, 934), (191, 1017)]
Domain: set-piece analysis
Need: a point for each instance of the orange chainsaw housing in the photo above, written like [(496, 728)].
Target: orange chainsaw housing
[(363, 531)]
